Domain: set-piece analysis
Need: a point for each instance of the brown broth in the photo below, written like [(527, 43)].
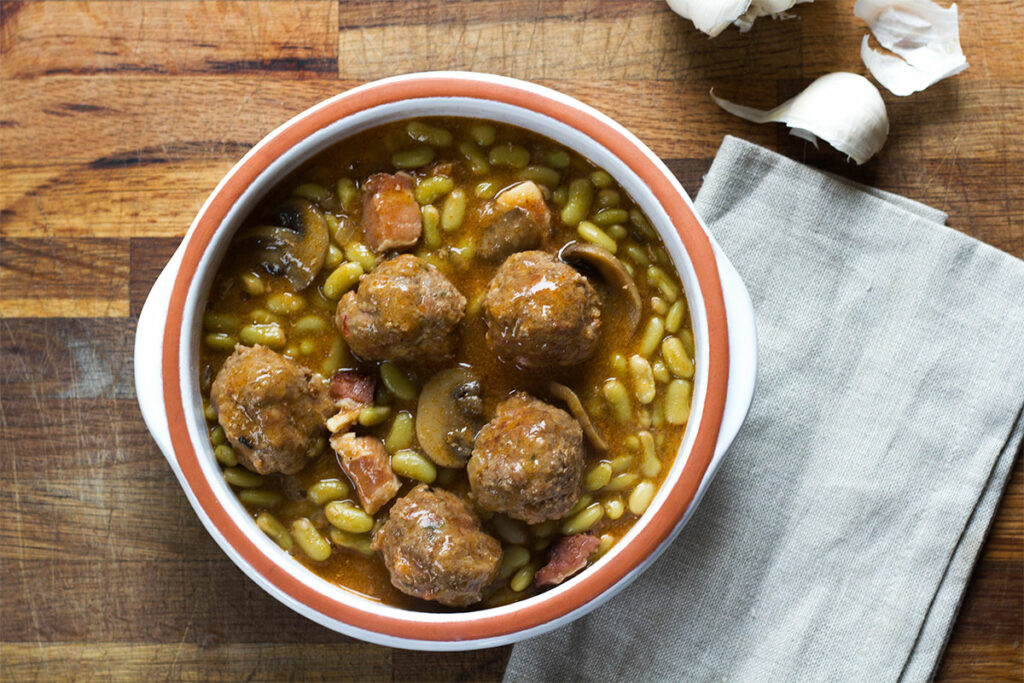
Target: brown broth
[(370, 152)]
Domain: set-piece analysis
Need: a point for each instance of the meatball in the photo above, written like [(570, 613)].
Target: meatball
[(271, 408), (528, 461), (540, 312), (405, 310), (434, 548)]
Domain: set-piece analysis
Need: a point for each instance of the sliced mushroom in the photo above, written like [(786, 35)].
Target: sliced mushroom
[(294, 246), (613, 273), (572, 401), (448, 416)]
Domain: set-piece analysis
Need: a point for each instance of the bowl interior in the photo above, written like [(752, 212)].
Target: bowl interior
[(354, 124)]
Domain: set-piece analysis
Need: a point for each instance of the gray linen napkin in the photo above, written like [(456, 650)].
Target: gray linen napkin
[(838, 537)]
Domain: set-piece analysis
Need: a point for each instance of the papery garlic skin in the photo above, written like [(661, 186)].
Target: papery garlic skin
[(925, 35), (714, 16), (843, 109)]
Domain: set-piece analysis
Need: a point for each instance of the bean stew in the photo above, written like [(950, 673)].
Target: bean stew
[(446, 364)]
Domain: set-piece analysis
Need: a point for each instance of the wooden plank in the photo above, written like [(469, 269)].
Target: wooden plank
[(194, 662), (173, 38)]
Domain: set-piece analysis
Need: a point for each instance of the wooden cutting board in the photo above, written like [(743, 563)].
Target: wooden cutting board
[(118, 118)]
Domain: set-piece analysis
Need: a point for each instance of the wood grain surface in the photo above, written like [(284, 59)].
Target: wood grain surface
[(118, 118)]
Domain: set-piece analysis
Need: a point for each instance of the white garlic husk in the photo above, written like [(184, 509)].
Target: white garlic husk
[(843, 109), (714, 16), (924, 37)]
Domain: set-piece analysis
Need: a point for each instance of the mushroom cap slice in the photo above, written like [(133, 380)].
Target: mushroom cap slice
[(295, 246), (613, 273), (575, 406), (448, 416)]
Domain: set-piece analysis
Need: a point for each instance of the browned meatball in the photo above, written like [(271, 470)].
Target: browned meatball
[(434, 548), (405, 310), (271, 408), (528, 461), (540, 312)]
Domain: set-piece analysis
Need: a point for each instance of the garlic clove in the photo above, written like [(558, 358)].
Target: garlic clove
[(710, 16), (843, 109), (925, 35), (762, 8)]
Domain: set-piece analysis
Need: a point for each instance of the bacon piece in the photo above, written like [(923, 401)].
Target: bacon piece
[(529, 197), (391, 216), (366, 462), (354, 385), (568, 556)]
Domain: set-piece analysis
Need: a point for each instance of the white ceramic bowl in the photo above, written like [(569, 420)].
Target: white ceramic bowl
[(167, 339)]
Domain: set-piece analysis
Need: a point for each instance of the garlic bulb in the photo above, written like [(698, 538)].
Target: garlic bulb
[(843, 109), (714, 16), (925, 35)]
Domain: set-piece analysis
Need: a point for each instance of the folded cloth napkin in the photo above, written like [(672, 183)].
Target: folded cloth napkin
[(838, 537)]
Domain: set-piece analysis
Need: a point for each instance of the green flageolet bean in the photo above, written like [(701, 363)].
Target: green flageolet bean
[(686, 336), (209, 412), (402, 432), (649, 463), (317, 448), (272, 527), (319, 301), (429, 190), (544, 529), (309, 540), (225, 455), (583, 502), (617, 232), (561, 195), (311, 191), (614, 508), (361, 254), (483, 134), (509, 155), (606, 543), (637, 255), (374, 415), (332, 223), (334, 257), (621, 464), (219, 341), (642, 225), (607, 198), (577, 206), (336, 357), (621, 482), (359, 543), (641, 497), (414, 157), (285, 303), (660, 279), (397, 382), (618, 398), (309, 324), (260, 497), (454, 210), (347, 517), (348, 195), (595, 235), (598, 476), (221, 322), (326, 490), (486, 189), (619, 363), (661, 373), (242, 478), (677, 401), (431, 226), (643, 379), (343, 278), (252, 284), (261, 316), (652, 336), (426, 133), (541, 175), (676, 358), (217, 436), (558, 158), (478, 164), (522, 579), (608, 217), (462, 253), (475, 303), (658, 305), (674, 317), (601, 179), (583, 520), (270, 335), (513, 557), (510, 530)]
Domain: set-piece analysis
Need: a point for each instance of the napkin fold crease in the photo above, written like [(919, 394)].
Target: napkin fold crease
[(839, 535)]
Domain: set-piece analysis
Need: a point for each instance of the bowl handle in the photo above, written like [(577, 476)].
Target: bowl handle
[(739, 313), (149, 343)]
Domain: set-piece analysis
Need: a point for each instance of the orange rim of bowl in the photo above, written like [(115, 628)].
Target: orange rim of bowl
[(537, 611)]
